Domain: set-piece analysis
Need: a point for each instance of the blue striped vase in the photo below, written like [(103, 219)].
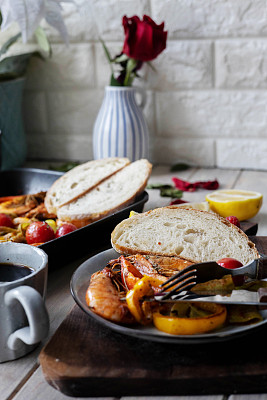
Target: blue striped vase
[(120, 128)]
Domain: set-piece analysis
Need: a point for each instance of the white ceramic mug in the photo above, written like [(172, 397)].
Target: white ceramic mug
[(23, 315)]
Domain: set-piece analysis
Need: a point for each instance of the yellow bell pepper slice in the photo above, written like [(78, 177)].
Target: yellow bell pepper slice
[(52, 223), (132, 213), (141, 288), (191, 326)]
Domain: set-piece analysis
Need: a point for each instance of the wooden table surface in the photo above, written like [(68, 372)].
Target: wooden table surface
[(23, 379)]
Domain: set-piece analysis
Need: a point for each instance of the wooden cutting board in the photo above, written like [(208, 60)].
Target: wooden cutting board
[(85, 359)]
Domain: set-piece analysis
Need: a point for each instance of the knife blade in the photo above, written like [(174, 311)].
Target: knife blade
[(206, 271), (241, 297), (210, 270)]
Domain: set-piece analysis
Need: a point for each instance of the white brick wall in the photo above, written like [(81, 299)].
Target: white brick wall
[(206, 103)]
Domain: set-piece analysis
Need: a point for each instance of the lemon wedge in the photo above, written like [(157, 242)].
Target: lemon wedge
[(243, 204)]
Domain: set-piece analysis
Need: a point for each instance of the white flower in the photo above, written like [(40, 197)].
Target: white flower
[(29, 13)]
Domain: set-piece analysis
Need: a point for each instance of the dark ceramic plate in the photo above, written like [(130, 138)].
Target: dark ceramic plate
[(80, 281), (83, 241)]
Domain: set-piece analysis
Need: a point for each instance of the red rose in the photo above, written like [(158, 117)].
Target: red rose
[(144, 40)]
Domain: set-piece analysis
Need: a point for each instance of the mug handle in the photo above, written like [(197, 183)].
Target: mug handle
[(143, 96), (34, 307)]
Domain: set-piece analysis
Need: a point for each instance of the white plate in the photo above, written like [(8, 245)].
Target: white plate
[(79, 284)]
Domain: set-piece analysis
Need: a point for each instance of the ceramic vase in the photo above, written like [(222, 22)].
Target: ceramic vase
[(12, 137), (120, 129)]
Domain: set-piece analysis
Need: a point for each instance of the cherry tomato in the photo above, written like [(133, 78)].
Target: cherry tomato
[(64, 229), (39, 232), (6, 220), (234, 220), (229, 263)]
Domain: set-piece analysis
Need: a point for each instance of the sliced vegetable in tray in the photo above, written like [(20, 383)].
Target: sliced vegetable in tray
[(25, 219)]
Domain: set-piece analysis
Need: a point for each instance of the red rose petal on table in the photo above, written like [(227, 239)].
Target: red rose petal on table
[(208, 185), (182, 185), (192, 186), (178, 201)]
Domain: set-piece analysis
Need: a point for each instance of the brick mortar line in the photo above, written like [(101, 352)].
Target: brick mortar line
[(155, 91), (170, 39)]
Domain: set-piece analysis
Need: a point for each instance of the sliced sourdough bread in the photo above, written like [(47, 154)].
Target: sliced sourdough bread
[(185, 232), (111, 195), (80, 180)]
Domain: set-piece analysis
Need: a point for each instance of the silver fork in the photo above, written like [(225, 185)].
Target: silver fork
[(187, 278)]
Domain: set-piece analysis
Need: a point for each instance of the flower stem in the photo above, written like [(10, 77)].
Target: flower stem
[(130, 66)]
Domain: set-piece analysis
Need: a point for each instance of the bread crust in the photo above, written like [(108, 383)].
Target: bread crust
[(84, 219), (83, 214), (70, 177), (132, 248)]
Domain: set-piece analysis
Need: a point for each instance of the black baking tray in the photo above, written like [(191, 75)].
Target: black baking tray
[(84, 241), (26, 180)]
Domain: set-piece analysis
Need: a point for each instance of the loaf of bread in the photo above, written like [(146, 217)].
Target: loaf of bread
[(80, 180), (196, 235), (111, 195)]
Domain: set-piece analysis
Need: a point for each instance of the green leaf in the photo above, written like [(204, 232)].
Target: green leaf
[(108, 56), (158, 186), (120, 59), (114, 82), (42, 40), (166, 190), (15, 66), (151, 66), (106, 51), (171, 192), (64, 167), (180, 167), (9, 43)]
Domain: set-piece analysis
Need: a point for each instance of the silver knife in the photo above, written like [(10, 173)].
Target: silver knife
[(206, 271), (241, 297)]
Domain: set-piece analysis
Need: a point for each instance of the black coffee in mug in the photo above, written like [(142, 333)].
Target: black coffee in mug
[(11, 272)]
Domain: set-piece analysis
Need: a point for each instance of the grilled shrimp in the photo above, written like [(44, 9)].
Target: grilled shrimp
[(104, 299), (151, 265), (158, 265), (166, 266)]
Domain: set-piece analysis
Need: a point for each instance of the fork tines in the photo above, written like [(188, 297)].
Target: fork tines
[(182, 281)]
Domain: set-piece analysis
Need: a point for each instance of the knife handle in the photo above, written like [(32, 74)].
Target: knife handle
[(262, 268)]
